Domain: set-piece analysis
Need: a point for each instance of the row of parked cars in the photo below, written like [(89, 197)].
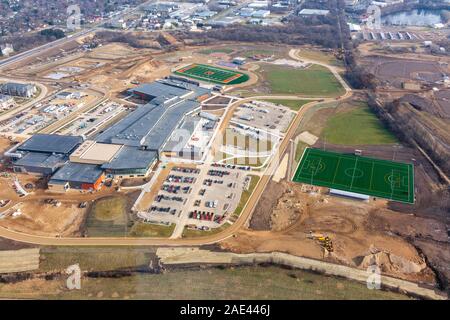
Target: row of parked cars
[(218, 173), (230, 166), (161, 197), (209, 182), (201, 215), (180, 179), (170, 188), (186, 170), (163, 210)]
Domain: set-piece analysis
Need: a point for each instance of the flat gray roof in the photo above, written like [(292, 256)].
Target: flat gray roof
[(78, 172), (318, 12), (149, 125), (158, 89), (41, 160), (188, 127), (131, 158), (169, 121), (132, 129), (51, 143)]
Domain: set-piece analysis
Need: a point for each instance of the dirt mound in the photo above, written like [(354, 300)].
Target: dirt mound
[(285, 214), (390, 263), (261, 218)]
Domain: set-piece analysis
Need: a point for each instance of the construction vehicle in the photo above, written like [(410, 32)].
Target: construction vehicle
[(324, 240)]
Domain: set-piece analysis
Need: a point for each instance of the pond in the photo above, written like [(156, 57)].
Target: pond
[(417, 17)]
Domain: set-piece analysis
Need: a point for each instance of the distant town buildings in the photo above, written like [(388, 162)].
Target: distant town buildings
[(313, 12), (6, 102), (6, 49), (18, 89)]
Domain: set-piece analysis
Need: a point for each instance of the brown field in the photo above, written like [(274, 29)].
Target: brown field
[(443, 100), (19, 260), (395, 71), (405, 68), (45, 219)]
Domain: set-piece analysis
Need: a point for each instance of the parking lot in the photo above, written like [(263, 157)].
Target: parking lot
[(47, 112), (218, 196), (201, 198), (90, 122), (173, 195), (264, 115)]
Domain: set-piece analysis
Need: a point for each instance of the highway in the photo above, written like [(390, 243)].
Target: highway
[(43, 48)]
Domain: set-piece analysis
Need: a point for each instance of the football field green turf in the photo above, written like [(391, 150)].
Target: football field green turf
[(212, 74), (380, 178)]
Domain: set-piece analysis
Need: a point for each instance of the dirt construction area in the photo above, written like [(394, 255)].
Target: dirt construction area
[(395, 71), (361, 233), (40, 218), (116, 66)]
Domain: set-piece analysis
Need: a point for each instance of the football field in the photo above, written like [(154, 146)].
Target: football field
[(374, 177), (212, 74)]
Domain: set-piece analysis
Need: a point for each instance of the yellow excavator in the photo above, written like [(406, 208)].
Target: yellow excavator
[(324, 240)]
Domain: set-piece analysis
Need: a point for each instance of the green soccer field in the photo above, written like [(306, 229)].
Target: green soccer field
[(380, 178), (212, 74)]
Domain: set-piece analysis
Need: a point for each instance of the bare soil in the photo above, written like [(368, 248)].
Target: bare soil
[(45, 219), (347, 222), (6, 244), (261, 218), (394, 72)]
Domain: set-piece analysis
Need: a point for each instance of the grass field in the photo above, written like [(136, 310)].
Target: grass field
[(94, 258), (254, 52), (252, 282), (320, 56), (299, 150), (216, 50), (212, 74), (140, 229), (347, 172), (360, 126), (193, 233), (292, 104), (247, 161), (313, 81), (107, 217), (245, 195), (109, 208), (237, 160)]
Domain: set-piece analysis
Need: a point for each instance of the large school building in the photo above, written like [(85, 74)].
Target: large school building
[(129, 148)]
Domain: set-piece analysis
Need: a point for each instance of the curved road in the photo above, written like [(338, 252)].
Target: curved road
[(229, 232)]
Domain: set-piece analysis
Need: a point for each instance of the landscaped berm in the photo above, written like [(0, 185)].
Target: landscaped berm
[(212, 74), (348, 172)]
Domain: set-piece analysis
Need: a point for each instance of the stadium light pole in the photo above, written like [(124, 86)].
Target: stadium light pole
[(395, 150)]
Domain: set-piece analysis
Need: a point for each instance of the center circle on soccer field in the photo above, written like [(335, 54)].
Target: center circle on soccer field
[(354, 172), (390, 179)]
